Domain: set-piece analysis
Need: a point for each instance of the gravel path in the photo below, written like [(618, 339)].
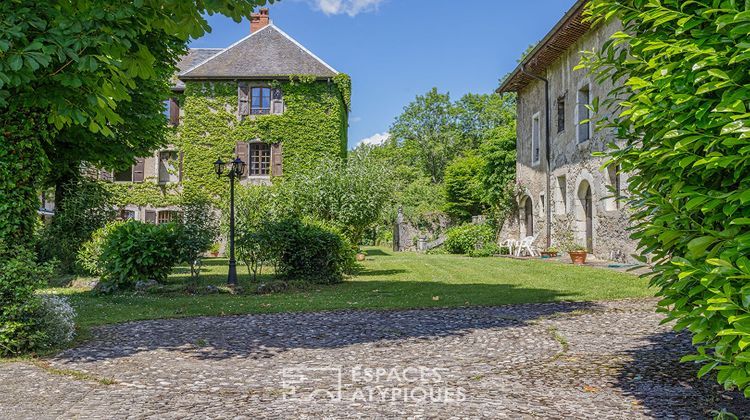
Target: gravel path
[(558, 360)]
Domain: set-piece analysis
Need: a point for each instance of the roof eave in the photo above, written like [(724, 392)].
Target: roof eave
[(511, 84), (255, 77)]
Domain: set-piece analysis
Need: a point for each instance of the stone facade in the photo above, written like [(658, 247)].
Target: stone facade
[(582, 204)]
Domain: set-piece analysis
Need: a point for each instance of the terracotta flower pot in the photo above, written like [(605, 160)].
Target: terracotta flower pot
[(215, 254), (578, 257), (360, 256)]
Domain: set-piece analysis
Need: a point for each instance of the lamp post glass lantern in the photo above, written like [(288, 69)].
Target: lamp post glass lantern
[(235, 171)]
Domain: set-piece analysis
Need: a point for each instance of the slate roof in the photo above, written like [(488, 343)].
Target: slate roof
[(563, 35), (266, 53), (194, 57)]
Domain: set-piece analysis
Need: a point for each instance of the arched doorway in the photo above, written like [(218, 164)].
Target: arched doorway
[(585, 215), (528, 216)]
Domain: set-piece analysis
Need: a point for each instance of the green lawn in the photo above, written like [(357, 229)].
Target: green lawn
[(386, 281)]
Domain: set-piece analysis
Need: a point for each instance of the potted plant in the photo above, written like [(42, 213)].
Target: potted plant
[(577, 253), (550, 252), (214, 250), (361, 256)]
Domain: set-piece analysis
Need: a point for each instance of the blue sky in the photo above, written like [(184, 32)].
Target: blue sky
[(397, 49)]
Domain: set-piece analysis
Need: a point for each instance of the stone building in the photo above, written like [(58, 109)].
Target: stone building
[(265, 99), (559, 178)]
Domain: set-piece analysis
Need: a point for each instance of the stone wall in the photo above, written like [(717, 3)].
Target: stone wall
[(573, 169)]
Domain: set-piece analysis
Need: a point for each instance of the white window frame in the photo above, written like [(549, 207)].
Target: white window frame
[(580, 108), (536, 141)]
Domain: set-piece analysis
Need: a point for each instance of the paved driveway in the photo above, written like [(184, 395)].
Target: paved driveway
[(561, 360)]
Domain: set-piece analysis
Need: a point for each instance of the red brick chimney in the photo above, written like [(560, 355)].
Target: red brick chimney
[(259, 20)]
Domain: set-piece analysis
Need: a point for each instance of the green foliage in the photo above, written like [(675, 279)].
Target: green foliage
[(87, 207), (20, 275), (463, 188), (348, 195), (487, 250), (255, 248), (21, 163), (196, 232), (479, 115), (422, 202), (432, 130), (254, 205), (75, 66), (89, 255), (684, 117), (429, 126), (498, 175), (311, 129), (467, 238), (308, 251), (135, 251)]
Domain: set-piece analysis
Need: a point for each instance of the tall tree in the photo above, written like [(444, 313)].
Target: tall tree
[(75, 63), (479, 114), (430, 126)]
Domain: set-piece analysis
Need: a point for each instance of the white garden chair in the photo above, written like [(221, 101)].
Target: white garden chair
[(526, 245), (511, 244)]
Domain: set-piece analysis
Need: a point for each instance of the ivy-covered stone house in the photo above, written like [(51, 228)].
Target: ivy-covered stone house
[(266, 99), (565, 192)]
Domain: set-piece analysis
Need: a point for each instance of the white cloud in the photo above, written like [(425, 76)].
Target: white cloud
[(375, 139), (350, 7)]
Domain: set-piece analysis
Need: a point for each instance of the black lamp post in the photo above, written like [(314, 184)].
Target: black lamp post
[(235, 171)]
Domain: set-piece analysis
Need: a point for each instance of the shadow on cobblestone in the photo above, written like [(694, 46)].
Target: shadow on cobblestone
[(265, 336), (667, 387)]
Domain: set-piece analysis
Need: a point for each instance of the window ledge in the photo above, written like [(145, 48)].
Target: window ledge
[(583, 145)]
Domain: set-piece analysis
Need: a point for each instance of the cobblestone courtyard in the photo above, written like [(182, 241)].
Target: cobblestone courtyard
[(560, 360)]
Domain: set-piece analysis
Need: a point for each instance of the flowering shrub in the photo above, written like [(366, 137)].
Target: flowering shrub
[(56, 321)]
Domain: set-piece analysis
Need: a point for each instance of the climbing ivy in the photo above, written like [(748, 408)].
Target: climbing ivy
[(313, 127)]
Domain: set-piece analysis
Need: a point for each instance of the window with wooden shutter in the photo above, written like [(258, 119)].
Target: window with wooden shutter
[(277, 160), (174, 112), (243, 93), (138, 169), (150, 216), (241, 151), (277, 102)]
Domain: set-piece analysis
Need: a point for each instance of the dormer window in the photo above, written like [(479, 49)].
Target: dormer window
[(260, 101)]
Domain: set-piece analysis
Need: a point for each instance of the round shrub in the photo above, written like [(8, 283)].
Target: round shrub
[(465, 239), (20, 275), (89, 255), (309, 251), (136, 251), (56, 321)]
